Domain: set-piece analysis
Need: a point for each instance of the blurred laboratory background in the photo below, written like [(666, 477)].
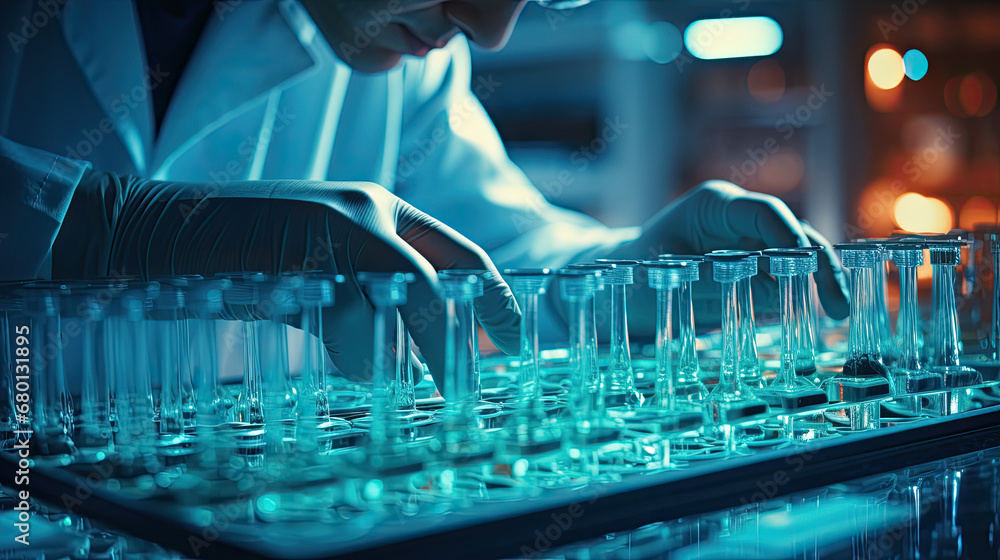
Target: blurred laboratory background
[(864, 117)]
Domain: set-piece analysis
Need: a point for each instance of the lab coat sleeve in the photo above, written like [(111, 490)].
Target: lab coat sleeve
[(453, 166), (35, 191)]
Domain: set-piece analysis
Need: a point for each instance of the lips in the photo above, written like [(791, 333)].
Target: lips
[(414, 45)]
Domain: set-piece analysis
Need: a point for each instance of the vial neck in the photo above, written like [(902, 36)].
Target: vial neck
[(908, 323), (945, 316)]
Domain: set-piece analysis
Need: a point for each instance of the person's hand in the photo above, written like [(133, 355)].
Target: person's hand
[(163, 228), (720, 215)]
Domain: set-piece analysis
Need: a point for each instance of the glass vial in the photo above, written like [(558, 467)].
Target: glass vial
[(791, 390), (946, 341), (909, 374), (732, 399), (864, 378), (621, 376)]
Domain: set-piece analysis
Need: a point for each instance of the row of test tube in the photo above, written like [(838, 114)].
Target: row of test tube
[(149, 390)]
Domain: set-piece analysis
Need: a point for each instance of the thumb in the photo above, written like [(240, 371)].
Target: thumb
[(446, 249), (831, 284)]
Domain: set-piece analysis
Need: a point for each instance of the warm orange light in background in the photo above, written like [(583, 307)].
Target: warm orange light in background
[(885, 67), (880, 97), (918, 213), (781, 173), (766, 81), (972, 95), (976, 210)]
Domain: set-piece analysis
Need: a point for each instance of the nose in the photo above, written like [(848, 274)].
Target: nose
[(487, 23)]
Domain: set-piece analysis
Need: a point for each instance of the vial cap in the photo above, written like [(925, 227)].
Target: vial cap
[(463, 284), (43, 297), (946, 252), (669, 274), (601, 270), (245, 289), (623, 270), (860, 255), (527, 280), (386, 288), (578, 283), (791, 263)]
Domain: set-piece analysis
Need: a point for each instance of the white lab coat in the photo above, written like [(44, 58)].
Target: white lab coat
[(264, 97)]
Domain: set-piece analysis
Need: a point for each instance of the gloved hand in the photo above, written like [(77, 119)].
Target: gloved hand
[(720, 215), (150, 228)]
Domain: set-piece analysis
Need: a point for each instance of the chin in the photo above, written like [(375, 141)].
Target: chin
[(375, 61)]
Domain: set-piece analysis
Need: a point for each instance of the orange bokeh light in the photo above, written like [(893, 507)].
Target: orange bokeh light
[(972, 95), (917, 213), (885, 68), (766, 81), (976, 210)]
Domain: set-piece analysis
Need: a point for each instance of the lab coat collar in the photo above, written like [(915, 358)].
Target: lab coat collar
[(246, 50), (104, 39)]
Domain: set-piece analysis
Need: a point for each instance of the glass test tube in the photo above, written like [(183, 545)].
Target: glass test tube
[(386, 291), (749, 362), (51, 403), (462, 384), (909, 374), (409, 372), (528, 284), (864, 378), (791, 390), (732, 399), (172, 366), (577, 288), (281, 401), (946, 341), (245, 294), (676, 383), (621, 376), (214, 404), (133, 394), (689, 386), (315, 293), (889, 353), (807, 332), (93, 429)]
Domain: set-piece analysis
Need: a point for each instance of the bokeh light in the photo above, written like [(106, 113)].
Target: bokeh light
[(662, 42), (885, 68), (972, 95), (914, 64), (782, 172), (918, 213), (976, 210), (766, 81), (638, 40), (733, 37)]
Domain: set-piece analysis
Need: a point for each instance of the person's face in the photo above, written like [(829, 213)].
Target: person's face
[(372, 35)]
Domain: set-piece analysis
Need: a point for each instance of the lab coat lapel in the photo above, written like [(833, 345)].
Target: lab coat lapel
[(104, 39), (246, 50)]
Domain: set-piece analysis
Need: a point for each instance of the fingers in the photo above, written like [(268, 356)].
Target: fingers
[(424, 311), (766, 218), (831, 283), (445, 249)]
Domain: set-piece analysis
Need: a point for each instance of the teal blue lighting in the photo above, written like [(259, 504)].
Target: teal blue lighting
[(710, 39), (914, 64)]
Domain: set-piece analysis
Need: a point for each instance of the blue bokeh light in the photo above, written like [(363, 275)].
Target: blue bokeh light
[(914, 64)]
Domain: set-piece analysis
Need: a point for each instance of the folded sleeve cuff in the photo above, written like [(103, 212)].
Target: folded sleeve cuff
[(36, 188)]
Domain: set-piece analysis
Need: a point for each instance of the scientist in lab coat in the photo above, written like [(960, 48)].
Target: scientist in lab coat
[(194, 137)]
